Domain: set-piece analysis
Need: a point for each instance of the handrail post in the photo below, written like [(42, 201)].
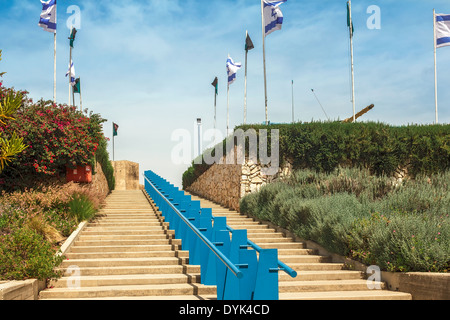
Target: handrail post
[(266, 286), (241, 289)]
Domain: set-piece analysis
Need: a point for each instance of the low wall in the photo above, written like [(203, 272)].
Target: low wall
[(21, 290), (126, 174), (226, 184)]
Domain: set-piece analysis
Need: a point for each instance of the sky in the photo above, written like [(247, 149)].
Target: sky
[(148, 65)]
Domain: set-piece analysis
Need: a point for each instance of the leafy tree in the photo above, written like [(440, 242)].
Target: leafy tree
[(9, 104)]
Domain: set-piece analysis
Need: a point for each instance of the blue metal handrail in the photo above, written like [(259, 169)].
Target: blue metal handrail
[(241, 274), (208, 243), (282, 266)]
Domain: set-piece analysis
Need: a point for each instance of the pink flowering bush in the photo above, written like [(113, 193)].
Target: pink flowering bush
[(56, 136)]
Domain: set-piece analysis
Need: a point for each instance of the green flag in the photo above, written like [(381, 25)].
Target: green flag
[(348, 18), (115, 129), (77, 86), (215, 84), (72, 36)]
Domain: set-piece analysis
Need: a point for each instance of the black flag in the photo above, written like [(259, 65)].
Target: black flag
[(248, 43)]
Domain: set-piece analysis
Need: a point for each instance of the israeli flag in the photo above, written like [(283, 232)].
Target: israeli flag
[(48, 16), (273, 17), (442, 30), (71, 72), (232, 69)]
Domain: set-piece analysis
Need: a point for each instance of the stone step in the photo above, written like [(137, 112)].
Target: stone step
[(303, 259), (269, 239), (202, 297), (128, 232), (346, 295), (145, 269), (125, 242), (129, 290), (300, 267), (124, 223), (125, 228), (106, 255), (282, 245), (123, 280), (325, 285), (116, 262), (101, 249), (322, 275), (160, 236)]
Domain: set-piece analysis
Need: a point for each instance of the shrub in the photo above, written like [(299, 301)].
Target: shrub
[(102, 156), (24, 255), (81, 207), (365, 217), (56, 136)]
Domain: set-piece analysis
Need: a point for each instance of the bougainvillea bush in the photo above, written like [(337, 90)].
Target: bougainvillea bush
[(57, 136)]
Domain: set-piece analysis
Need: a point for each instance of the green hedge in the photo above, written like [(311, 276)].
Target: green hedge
[(381, 148), (353, 213), (102, 157)]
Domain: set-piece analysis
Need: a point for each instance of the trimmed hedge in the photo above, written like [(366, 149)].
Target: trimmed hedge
[(378, 147)]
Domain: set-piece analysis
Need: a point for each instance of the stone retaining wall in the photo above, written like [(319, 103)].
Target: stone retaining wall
[(226, 184)]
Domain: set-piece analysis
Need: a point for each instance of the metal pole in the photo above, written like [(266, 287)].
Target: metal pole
[(54, 68), (70, 75), (113, 141), (199, 123), (81, 101), (293, 118), (215, 116), (351, 51), (245, 83), (264, 61), (228, 108), (435, 68)]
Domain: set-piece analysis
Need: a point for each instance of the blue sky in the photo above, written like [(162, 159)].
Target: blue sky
[(148, 65)]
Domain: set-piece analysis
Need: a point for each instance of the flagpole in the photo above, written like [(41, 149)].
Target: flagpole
[(245, 81), (81, 101), (70, 72), (435, 67), (293, 118), (54, 68), (228, 108), (264, 60), (351, 53), (113, 141)]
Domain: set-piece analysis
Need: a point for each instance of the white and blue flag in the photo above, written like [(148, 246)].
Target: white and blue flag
[(442, 30), (48, 16), (71, 72), (273, 17), (232, 69)]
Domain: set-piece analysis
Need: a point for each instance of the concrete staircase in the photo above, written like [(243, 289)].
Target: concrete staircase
[(129, 253), (318, 278)]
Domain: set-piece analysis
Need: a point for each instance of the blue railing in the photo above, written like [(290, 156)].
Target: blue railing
[(226, 262)]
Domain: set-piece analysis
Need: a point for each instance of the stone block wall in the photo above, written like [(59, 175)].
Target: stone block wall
[(221, 183), (126, 174), (226, 184)]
